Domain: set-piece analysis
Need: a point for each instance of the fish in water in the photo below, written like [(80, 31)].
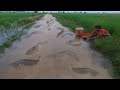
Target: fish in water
[(37, 26), (25, 62), (29, 35), (85, 71), (49, 29), (61, 32), (47, 21), (35, 48), (32, 50), (35, 32), (73, 43)]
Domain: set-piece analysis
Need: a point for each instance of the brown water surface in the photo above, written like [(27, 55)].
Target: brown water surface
[(50, 50)]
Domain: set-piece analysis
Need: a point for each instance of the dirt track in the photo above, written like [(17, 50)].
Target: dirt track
[(51, 51)]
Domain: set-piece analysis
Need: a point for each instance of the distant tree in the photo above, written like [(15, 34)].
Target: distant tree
[(84, 12), (36, 11), (14, 11)]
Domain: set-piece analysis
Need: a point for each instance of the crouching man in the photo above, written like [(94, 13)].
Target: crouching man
[(98, 32)]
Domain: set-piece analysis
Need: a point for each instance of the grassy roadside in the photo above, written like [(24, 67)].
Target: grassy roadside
[(29, 20), (110, 47), (23, 21)]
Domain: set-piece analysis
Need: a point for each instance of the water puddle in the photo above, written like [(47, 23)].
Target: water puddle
[(59, 52)]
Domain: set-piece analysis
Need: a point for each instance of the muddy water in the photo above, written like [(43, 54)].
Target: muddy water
[(51, 51)]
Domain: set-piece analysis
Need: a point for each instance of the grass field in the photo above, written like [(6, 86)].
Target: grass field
[(6, 19), (110, 47), (12, 26)]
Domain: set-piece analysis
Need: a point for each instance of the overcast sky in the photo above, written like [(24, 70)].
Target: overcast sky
[(78, 11), (86, 11)]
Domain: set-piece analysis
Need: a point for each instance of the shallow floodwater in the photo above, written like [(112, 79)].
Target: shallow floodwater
[(50, 50)]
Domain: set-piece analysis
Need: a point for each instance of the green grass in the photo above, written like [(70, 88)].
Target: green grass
[(29, 19), (6, 19), (110, 47), (21, 20)]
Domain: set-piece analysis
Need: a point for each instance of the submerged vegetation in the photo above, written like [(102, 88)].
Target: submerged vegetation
[(13, 26)]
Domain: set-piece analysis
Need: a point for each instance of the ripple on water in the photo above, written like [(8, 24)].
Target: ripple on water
[(85, 71), (73, 43), (62, 53), (66, 34)]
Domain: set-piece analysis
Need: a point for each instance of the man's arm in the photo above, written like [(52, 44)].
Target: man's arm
[(106, 33), (92, 37), (96, 37)]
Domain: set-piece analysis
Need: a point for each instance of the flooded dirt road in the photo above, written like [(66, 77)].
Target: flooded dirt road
[(51, 51)]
